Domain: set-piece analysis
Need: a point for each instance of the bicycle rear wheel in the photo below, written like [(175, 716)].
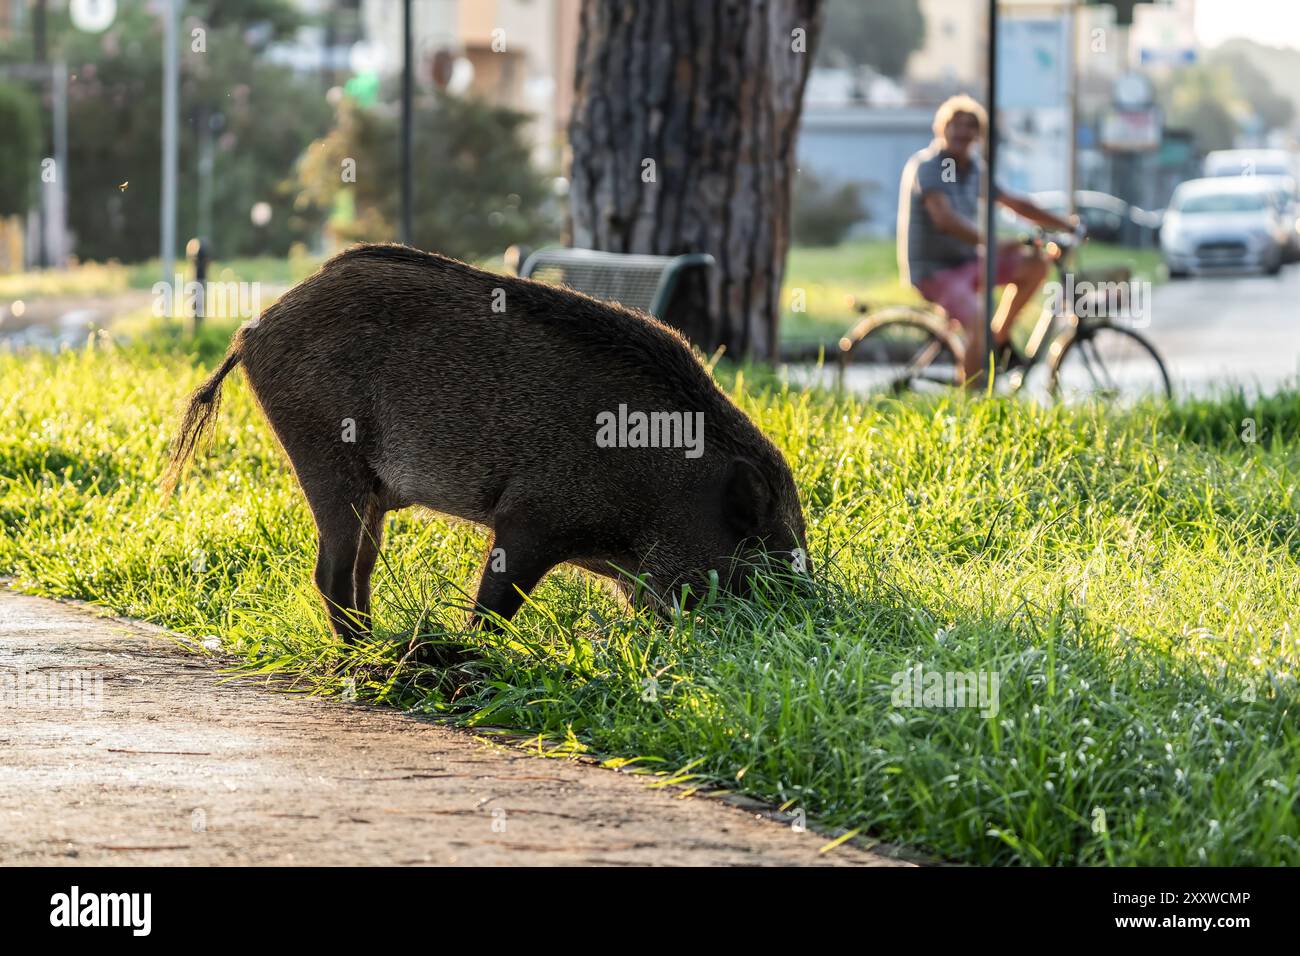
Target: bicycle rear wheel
[(1099, 360), (903, 349)]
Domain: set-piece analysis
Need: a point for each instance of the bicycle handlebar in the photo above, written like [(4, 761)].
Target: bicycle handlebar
[(1057, 245), (1066, 240)]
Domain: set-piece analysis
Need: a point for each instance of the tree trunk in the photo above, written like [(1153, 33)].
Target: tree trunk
[(683, 137)]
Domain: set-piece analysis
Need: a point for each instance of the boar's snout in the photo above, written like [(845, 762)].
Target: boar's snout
[(748, 525), (761, 510)]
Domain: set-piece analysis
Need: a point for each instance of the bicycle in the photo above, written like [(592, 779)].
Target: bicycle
[(921, 349)]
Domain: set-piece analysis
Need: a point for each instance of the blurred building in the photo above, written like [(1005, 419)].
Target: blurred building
[(953, 54), (11, 17), (863, 133), (522, 56), (861, 128), (1124, 145), (867, 146), (514, 53)]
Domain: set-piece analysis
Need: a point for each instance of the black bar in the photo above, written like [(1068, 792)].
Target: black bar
[(924, 907)]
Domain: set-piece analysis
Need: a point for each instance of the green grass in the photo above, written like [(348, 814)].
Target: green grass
[(1131, 577), (87, 279), (106, 279)]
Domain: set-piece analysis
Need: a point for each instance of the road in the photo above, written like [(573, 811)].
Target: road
[(163, 761), (1229, 329)]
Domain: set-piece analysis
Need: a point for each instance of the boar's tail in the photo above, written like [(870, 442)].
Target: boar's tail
[(199, 419)]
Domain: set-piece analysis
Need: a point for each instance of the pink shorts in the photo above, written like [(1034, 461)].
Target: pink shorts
[(957, 289)]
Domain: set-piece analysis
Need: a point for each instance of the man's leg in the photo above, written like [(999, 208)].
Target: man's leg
[(973, 365), (955, 291), (1021, 276)]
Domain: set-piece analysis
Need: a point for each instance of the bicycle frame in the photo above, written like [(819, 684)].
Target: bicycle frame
[(1046, 328)]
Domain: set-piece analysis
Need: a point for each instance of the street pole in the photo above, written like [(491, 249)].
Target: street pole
[(57, 227), (207, 162), (407, 180), (1072, 30), (990, 207), (171, 82), (39, 53)]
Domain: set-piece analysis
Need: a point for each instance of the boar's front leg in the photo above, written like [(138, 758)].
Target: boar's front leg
[(517, 558), (339, 534)]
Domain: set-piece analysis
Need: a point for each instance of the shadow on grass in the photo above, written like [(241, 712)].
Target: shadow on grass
[(1079, 743)]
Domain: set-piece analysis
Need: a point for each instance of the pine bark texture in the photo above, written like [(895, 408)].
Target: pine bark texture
[(710, 92)]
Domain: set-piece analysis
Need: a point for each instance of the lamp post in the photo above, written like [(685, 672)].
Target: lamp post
[(990, 206), (407, 81), (171, 84)]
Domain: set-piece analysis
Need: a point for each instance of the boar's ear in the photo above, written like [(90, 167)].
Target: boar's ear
[(746, 497)]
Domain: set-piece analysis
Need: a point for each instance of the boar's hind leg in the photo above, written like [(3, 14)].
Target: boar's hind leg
[(516, 561), (338, 529), (372, 538)]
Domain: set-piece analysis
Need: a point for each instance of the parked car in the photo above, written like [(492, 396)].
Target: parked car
[(1279, 167), (1104, 215), (1251, 162), (1224, 223)]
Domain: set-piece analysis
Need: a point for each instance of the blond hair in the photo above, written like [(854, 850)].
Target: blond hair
[(961, 103)]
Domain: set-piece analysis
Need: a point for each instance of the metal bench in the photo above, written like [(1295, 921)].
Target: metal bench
[(640, 282)]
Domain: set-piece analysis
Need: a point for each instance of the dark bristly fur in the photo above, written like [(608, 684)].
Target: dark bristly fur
[(490, 416)]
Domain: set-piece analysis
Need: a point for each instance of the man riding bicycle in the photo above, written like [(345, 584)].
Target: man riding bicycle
[(940, 247)]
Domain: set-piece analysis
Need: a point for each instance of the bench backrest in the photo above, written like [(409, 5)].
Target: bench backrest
[(637, 281)]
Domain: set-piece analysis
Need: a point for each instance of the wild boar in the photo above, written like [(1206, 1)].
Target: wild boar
[(574, 430)]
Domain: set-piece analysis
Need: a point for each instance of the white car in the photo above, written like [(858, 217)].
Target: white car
[(1251, 162), (1229, 223)]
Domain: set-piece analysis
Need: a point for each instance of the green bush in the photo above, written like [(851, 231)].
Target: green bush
[(476, 189), (824, 213), (19, 149)]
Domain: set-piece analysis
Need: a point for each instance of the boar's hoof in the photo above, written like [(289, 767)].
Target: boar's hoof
[(441, 654)]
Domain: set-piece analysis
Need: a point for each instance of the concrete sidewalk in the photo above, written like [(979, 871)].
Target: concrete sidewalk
[(176, 765)]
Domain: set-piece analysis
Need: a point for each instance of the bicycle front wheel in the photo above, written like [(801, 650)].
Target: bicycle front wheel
[(1103, 361), (903, 349)]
